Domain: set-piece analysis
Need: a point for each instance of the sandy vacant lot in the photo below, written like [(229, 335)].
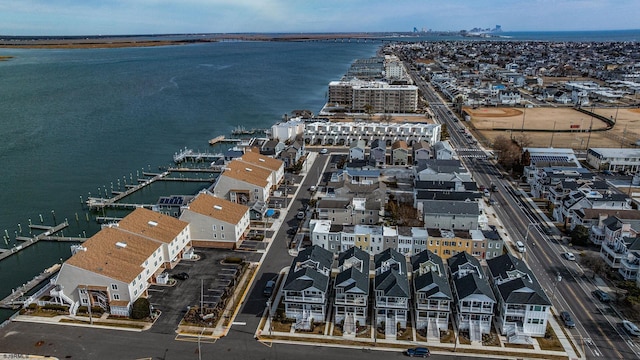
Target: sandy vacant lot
[(491, 122)]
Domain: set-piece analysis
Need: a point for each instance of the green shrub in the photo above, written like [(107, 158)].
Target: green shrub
[(141, 309)]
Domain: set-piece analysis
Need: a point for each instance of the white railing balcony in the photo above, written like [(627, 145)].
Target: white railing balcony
[(305, 299), (359, 301)]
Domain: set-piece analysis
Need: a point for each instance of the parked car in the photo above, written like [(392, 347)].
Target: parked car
[(602, 295), (300, 215), (567, 320), (268, 288), (180, 276), (569, 256), (418, 352), (324, 151), (292, 231), (312, 188), (631, 328)]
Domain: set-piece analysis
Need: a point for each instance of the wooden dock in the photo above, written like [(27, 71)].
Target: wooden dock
[(190, 155), (17, 298), (28, 241), (99, 203)]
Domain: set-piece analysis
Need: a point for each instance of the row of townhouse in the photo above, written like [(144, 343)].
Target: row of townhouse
[(115, 267), (399, 153), (376, 239), (426, 295), (345, 133)]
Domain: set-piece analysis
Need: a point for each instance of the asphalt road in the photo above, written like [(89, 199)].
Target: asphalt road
[(598, 331), (70, 342)]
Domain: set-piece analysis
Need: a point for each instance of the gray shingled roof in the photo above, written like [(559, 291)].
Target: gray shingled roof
[(447, 195), (424, 256), (472, 284), (460, 259), (519, 290), (433, 285), (393, 282), (450, 207), (308, 277)]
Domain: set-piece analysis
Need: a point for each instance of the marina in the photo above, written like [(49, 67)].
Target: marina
[(17, 298), (28, 241), (190, 155)]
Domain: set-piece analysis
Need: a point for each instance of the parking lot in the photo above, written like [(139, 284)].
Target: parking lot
[(207, 280)]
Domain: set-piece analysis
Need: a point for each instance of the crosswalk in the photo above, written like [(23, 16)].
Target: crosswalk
[(471, 153)]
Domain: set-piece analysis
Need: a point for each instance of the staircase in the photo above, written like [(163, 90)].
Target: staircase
[(433, 333), (304, 322), (349, 325), (475, 332), (391, 329), (516, 335)]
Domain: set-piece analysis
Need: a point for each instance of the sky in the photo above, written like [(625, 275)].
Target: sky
[(118, 17)]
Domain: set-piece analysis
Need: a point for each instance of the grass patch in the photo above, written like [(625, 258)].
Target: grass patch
[(550, 341), (337, 331), (406, 334), (281, 326), (365, 334), (447, 337)]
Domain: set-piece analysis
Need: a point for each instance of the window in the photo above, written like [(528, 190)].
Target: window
[(214, 227), (221, 227), (114, 287), (222, 236), (116, 297)]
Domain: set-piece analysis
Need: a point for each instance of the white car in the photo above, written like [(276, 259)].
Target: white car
[(631, 328), (569, 256), (324, 151)]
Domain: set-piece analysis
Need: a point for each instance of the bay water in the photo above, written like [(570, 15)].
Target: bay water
[(74, 123)]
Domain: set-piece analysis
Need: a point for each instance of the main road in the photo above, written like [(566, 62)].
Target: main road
[(598, 333)]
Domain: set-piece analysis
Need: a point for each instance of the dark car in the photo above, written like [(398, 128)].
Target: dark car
[(292, 231), (566, 318), (180, 276), (602, 295), (418, 352), (268, 288)]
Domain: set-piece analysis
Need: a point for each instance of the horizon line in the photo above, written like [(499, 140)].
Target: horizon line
[(294, 33)]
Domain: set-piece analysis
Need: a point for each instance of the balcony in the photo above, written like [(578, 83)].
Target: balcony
[(477, 309), (358, 301), (305, 299), (400, 303)]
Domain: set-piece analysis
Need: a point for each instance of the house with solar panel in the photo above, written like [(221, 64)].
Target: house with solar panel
[(306, 288), (392, 292), (351, 289), (523, 307), (431, 293), (216, 222), (472, 295)]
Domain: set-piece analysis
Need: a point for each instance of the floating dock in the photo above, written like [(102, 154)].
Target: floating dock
[(28, 241), (190, 155), (17, 297)]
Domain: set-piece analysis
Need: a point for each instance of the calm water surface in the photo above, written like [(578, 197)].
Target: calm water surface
[(74, 121)]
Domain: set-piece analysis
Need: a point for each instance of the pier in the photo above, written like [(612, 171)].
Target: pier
[(28, 241), (99, 203), (17, 297), (190, 155)]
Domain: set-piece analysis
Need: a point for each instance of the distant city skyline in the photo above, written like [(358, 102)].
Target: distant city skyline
[(116, 17)]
